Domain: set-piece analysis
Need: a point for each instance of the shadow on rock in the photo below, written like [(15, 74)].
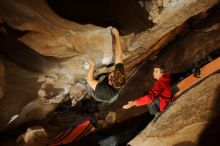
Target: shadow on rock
[(210, 135)]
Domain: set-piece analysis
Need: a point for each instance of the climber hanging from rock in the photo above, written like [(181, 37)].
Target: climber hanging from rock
[(106, 89)]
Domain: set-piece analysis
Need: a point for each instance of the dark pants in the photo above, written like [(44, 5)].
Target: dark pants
[(154, 106)]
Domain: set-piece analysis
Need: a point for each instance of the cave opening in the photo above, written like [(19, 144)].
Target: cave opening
[(126, 15)]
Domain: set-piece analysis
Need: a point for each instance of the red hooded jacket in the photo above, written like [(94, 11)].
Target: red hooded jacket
[(160, 90)]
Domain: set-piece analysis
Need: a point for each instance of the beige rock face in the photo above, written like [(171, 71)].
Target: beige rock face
[(179, 56), (51, 35), (71, 43), (186, 119), (167, 15), (34, 136)]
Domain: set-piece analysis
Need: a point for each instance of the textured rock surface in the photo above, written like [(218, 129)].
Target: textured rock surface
[(51, 35), (161, 11), (34, 136), (67, 44), (177, 58), (186, 119)]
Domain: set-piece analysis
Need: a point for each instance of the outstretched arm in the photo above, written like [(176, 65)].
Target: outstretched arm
[(129, 105), (117, 46), (148, 98), (90, 76)]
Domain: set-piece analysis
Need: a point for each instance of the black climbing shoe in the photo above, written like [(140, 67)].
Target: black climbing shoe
[(196, 72)]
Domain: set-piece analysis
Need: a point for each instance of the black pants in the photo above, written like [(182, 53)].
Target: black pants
[(154, 106)]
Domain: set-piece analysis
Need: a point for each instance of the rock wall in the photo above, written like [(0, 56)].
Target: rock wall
[(51, 35), (186, 119), (58, 48), (180, 55)]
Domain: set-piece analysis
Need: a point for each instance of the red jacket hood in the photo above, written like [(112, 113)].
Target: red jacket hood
[(166, 77)]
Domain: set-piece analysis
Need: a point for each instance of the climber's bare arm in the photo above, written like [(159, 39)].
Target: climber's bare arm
[(58, 99), (90, 76), (117, 46)]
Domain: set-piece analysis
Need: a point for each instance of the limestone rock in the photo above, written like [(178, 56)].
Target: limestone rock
[(68, 44), (169, 15), (176, 57), (51, 35), (186, 119), (34, 136)]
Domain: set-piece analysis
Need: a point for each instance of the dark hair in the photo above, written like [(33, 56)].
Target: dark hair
[(161, 67), (118, 79)]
